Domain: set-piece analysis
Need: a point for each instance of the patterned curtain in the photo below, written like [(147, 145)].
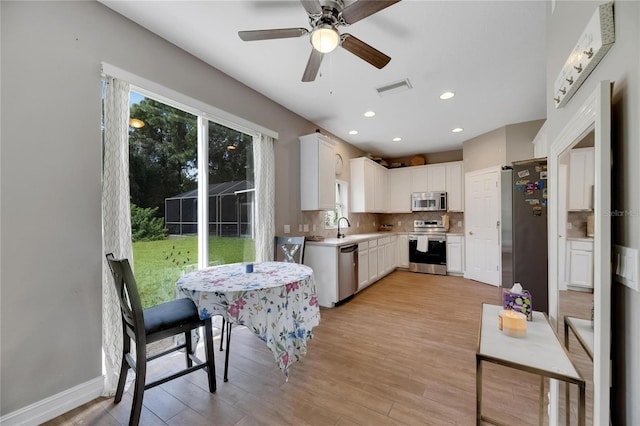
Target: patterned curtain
[(265, 196), (116, 220)]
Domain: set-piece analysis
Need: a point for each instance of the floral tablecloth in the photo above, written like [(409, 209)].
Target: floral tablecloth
[(277, 301)]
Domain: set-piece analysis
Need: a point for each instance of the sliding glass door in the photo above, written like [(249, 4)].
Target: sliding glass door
[(173, 194)]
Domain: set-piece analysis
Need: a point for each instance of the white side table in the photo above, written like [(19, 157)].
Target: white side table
[(540, 352)]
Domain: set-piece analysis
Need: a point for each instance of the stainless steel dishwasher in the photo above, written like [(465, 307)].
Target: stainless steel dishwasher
[(347, 271)]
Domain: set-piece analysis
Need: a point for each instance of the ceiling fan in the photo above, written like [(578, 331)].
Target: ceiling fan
[(325, 17)]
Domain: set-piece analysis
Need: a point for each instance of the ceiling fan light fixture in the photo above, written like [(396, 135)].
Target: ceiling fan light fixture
[(325, 38)]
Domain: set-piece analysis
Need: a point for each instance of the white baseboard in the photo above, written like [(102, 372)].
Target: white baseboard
[(53, 406)]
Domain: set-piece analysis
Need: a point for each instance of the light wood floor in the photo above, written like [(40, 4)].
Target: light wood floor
[(402, 352)]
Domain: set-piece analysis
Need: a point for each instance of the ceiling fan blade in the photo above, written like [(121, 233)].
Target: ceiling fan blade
[(313, 65), (363, 8), (312, 7), (271, 34), (364, 51)]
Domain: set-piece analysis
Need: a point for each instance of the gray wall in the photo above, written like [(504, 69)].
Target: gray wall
[(485, 151), (621, 65), (519, 139), (501, 146), (51, 178)]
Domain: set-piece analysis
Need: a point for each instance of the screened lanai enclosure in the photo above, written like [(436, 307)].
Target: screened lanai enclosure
[(231, 207)]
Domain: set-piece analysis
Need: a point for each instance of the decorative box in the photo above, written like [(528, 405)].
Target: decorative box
[(518, 302)]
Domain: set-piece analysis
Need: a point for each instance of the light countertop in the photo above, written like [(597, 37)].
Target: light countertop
[(350, 239), (358, 238)]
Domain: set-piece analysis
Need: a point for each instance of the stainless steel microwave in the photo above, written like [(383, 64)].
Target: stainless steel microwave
[(428, 201)]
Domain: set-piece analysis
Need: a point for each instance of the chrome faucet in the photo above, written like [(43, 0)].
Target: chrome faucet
[(348, 225)]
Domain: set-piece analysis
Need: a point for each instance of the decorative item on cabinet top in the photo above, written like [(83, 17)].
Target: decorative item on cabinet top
[(593, 44)]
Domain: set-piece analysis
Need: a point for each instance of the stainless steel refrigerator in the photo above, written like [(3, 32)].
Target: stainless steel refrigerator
[(524, 229)]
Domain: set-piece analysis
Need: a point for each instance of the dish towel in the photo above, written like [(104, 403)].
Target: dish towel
[(423, 243)]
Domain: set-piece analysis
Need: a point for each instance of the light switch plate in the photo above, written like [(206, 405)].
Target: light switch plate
[(625, 266), (287, 229), (305, 228)]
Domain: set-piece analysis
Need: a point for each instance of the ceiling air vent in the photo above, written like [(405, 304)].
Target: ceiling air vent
[(397, 87)]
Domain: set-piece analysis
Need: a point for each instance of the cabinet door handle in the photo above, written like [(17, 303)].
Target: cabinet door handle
[(470, 232)]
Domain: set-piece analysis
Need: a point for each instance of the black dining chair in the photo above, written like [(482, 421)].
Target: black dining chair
[(144, 326), (286, 249)]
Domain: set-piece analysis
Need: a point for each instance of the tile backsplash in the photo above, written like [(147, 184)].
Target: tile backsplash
[(365, 223), (578, 222), (361, 223)]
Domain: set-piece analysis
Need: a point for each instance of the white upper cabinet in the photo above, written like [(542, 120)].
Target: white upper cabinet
[(380, 199), (399, 190), (419, 179), (447, 177), (436, 178), (455, 186), (368, 186), (317, 173), (581, 179)]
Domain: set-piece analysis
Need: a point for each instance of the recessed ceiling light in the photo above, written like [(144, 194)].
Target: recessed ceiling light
[(369, 114), (353, 132), (447, 95), (397, 139), (457, 130)]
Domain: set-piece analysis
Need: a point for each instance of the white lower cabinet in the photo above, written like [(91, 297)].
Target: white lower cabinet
[(324, 262), (403, 251), (580, 263), (391, 256), (382, 256), (455, 254), (373, 261), (363, 265), (377, 257)]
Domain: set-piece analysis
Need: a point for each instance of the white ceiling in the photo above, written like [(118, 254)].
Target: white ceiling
[(490, 53)]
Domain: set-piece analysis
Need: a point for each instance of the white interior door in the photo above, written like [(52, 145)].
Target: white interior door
[(563, 182), (482, 218)]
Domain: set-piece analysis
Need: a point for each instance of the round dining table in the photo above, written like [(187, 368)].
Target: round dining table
[(277, 301)]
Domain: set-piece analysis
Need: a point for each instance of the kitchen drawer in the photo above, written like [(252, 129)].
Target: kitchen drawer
[(582, 245), (373, 243), (383, 241), (454, 238), (363, 246)]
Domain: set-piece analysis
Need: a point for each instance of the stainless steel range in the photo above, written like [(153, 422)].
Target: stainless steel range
[(428, 247)]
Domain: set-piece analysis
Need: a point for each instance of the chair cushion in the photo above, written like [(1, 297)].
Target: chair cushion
[(169, 315)]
